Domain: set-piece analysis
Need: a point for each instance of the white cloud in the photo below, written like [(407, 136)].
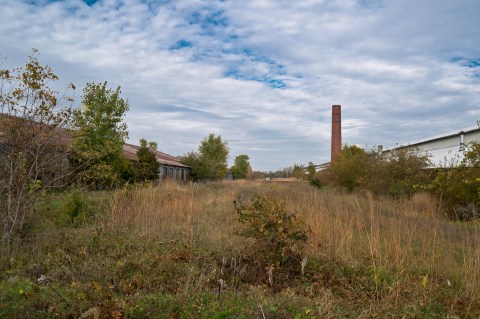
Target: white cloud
[(264, 74)]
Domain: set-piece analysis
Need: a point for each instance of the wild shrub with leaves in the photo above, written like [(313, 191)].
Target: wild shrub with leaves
[(459, 187), (280, 235), (33, 148)]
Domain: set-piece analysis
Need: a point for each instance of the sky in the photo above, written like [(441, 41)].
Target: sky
[(263, 74)]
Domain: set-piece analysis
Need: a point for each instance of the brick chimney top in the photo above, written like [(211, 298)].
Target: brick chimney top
[(336, 132)]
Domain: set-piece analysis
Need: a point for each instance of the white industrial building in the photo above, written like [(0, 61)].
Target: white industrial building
[(444, 150)]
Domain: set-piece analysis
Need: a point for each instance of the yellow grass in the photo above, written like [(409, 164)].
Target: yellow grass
[(403, 238)]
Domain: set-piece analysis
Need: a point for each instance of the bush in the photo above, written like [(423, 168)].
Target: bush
[(405, 172), (78, 208), (396, 173), (459, 188), (351, 169), (279, 235)]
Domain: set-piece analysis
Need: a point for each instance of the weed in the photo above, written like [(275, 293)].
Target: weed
[(170, 251), (280, 235)]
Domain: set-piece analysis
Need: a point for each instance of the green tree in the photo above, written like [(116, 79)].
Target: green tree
[(193, 160), (459, 187), (403, 172), (298, 171), (147, 168), (312, 176), (210, 161), (100, 135), (351, 167), (311, 170), (33, 151), (240, 166)]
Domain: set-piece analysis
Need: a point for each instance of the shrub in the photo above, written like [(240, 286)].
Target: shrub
[(77, 207), (351, 168), (459, 188), (279, 234), (396, 173)]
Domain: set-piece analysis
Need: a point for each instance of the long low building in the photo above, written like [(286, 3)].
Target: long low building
[(444, 150), (170, 166)]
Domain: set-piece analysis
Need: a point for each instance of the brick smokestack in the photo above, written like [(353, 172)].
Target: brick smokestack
[(336, 132)]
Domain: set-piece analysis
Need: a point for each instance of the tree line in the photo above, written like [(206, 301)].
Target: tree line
[(404, 172), (45, 144), (400, 173)]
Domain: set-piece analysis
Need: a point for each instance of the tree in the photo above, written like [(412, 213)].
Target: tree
[(404, 170), (298, 171), (459, 187), (210, 161), (312, 176), (311, 170), (400, 172), (33, 147), (147, 168), (100, 135), (351, 167), (241, 165)]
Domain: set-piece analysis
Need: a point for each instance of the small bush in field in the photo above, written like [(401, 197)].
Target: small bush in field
[(77, 208), (280, 234), (459, 187)]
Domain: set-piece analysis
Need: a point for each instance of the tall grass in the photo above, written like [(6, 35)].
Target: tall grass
[(172, 251), (201, 215), (403, 243), (407, 238)]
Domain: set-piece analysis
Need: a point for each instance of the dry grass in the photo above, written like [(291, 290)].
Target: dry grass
[(172, 250), (198, 214), (408, 247), (406, 238)]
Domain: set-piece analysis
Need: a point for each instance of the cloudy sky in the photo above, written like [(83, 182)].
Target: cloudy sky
[(264, 73)]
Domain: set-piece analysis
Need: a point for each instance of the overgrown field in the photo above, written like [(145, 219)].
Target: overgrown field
[(177, 251)]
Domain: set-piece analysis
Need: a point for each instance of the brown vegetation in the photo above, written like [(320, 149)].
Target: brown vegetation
[(173, 252), (406, 246)]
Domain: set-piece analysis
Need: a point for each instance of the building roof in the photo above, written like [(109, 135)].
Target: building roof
[(65, 138), (58, 135), (467, 130), (130, 151), (443, 150)]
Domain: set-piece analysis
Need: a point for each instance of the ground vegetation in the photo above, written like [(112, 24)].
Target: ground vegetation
[(182, 251)]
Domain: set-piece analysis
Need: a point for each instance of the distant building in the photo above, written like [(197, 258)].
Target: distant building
[(444, 150), (51, 159), (170, 166)]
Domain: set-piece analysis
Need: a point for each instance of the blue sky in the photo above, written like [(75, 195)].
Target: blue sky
[(264, 73)]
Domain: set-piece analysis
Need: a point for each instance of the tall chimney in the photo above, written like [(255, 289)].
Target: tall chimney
[(336, 132)]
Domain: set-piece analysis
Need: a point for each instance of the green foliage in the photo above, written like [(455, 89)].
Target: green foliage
[(197, 166), (280, 235), (459, 188), (312, 176), (210, 161), (351, 167), (397, 173), (33, 158), (404, 172), (107, 270), (298, 171), (266, 218), (241, 166), (100, 135), (147, 167), (78, 208), (310, 170), (75, 208)]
